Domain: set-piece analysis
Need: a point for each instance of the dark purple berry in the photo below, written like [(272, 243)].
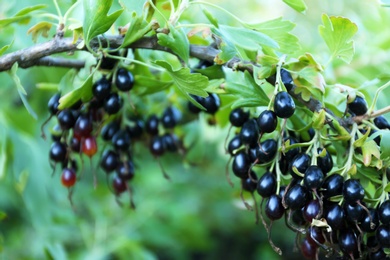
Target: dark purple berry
[(113, 104), (109, 161), (151, 125), (274, 208), (353, 191), (101, 89), (313, 177), (358, 106), (381, 122), (301, 162), (324, 162), (53, 103), (124, 80), (238, 117), (296, 197), (241, 165), (332, 186), (58, 152), (284, 105), (266, 186), (267, 121), (234, 144), (383, 235), (384, 212), (66, 120), (125, 170), (249, 133)]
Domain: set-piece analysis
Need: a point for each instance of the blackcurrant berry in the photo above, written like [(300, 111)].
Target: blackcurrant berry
[(66, 120), (334, 215), (125, 170), (286, 79), (53, 103), (170, 117), (348, 241), (366, 221), (109, 161), (378, 255), (212, 103), (109, 130), (324, 162), (313, 177), (274, 208), (296, 197), (301, 162), (384, 212), (241, 165), (121, 140), (136, 128), (358, 106), (119, 185), (238, 117), (309, 251), (353, 191), (171, 142), (58, 152), (311, 210), (151, 125), (291, 153), (75, 145), (109, 63), (354, 212), (284, 105), (83, 126), (314, 234), (381, 122), (249, 133), (248, 184), (267, 121), (113, 103), (68, 177), (194, 109), (332, 186), (266, 151), (383, 235), (266, 186), (124, 80), (157, 146), (234, 144), (101, 89)]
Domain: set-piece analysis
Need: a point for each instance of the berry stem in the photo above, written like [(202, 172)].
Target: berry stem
[(380, 89), (348, 164)]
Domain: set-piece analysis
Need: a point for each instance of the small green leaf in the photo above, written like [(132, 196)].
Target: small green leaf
[(30, 9), (186, 82), (361, 141), (84, 93), (22, 92), (177, 41), (6, 47), (41, 28), (21, 17), (96, 20), (212, 72), (370, 149), (337, 33), (210, 17), (148, 85), (304, 91), (297, 5), (319, 119), (137, 29)]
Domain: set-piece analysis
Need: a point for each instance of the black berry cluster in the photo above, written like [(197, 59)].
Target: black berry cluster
[(296, 175)]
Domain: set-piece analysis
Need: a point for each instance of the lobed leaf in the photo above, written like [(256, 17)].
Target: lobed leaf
[(137, 29), (177, 41), (40, 28), (297, 5), (84, 92), (337, 33)]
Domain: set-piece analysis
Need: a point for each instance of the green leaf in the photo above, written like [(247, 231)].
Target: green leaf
[(246, 39), (228, 51), (384, 145), (177, 41), (137, 29), (21, 183), (6, 47), (297, 5), (84, 93), (96, 20), (337, 33), (21, 17), (279, 30), (370, 149), (185, 81), (319, 119), (212, 72), (30, 9), (3, 215), (148, 85), (248, 93), (41, 28), (22, 92), (210, 17)]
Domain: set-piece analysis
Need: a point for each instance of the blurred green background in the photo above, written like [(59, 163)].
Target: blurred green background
[(197, 215)]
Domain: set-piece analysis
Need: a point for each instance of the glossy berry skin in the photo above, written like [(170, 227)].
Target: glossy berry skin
[(101, 89), (113, 104), (384, 212), (170, 142), (136, 129), (58, 152), (249, 133), (325, 162), (249, 185), (365, 224), (332, 186), (354, 212), (68, 177), (358, 106), (66, 119), (83, 126), (309, 250), (157, 146), (109, 161), (212, 103), (301, 162), (238, 117), (234, 144), (89, 146), (313, 177), (296, 197), (381, 122), (311, 210), (241, 164), (383, 235), (286, 79), (290, 154), (109, 63), (169, 117), (274, 208), (151, 125), (314, 232), (378, 255), (353, 191), (125, 170), (267, 121), (121, 140), (109, 130), (284, 105), (348, 241), (194, 109), (266, 186), (75, 145), (119, 185), (53, 103), (266, 151), (124, 80), (334, 215)]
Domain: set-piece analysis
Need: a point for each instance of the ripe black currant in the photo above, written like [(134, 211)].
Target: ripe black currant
[(348, 242), (109, 130), (248, 184), (366, 221), (274, 208), (311, 210), (125, 170), (324, 162), (135, 128), (234, 144), (384, 212), (266, 186), (266, 151), (238, 117), (313, 177), (109, 63), (194, 109), (332, 186), (171, 142), (119, 185), (354, 212), (83, 126), (53, 103), (211, 103), (301, 162), (334, 215), (291, 153), (66, 119), (284, 105), (109, 161), (383, 235), (286, 79), (113, 103), (157, 146), (296, 197), (170, 117), (381, 122), (267, 121), (358, 106), (151, 125), (121, 140), (241, 164), (309, 250), (249, 133), (58, 152), (101, 89), (353, 191), (124, 80)]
